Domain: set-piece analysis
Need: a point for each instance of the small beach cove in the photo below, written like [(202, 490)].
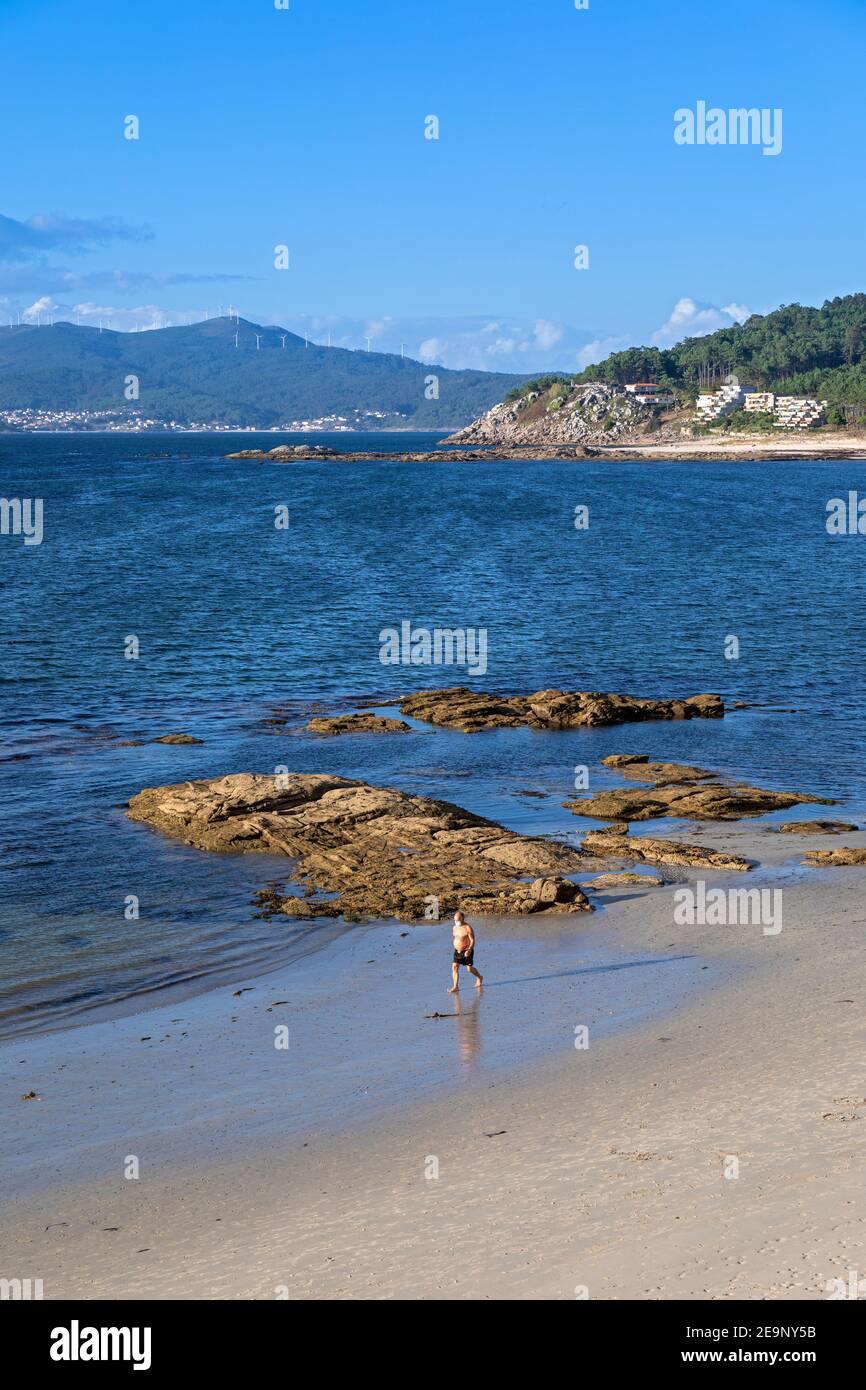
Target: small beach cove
[(261, 1167), (172, 542)]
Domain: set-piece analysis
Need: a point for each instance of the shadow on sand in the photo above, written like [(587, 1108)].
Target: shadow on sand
[(590, 970)]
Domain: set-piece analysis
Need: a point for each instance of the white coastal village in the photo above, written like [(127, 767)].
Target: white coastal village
[(787, 412), (136, 422)]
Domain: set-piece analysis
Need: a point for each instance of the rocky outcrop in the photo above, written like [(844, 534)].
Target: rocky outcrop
[(364, 722), (374, 851), (592, 413), (676, 442), (470, 710), (834, 858), (616, 843), (659, 774), (815, 827), (301, 453), (621, 881), (680, 791), (288, 453), (178, 738)]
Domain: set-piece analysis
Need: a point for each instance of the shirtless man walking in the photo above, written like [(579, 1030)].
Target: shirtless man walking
[(464, 951)]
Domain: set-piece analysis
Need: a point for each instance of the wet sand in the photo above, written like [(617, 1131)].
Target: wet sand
[(309, 1172)]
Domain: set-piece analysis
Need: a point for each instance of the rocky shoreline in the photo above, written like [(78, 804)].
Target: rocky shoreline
[(361, 852), (793, 447), (375, 851)]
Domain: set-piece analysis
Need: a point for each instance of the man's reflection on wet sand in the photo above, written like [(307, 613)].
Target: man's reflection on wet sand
[(468, 1031)]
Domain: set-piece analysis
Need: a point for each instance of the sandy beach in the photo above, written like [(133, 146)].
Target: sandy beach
[(782, 446), (385, 1154), (799, 444), (432, 791)]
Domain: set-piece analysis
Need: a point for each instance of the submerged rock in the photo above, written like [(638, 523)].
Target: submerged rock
[(363, 723), (178, 738), (379, 851), (615, 845), (815, 827), (468, 710)]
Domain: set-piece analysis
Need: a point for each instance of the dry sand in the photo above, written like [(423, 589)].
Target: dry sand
[(792, 445), (305, 1174)]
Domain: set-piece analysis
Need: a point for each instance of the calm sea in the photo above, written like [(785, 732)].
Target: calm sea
[(164, 540)]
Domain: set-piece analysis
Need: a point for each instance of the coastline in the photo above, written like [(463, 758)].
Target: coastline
[(705, 450), (261, 1169), (608, 1172), (807, 446), (433, 822), (798, 446)]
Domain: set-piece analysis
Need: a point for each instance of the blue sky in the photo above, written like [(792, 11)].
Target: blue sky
[(305, 127)]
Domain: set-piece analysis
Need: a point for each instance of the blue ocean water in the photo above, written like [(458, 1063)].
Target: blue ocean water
[(163, 539)]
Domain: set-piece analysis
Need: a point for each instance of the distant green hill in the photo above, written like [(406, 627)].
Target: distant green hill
[(198, 374), (795, 350)]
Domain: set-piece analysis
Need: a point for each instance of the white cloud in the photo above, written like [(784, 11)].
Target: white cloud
[(125, 320), (485, 344), (598, 349), (433, 350), (121, 318), (691, 319), (547, 334), (491, 345), (45, 305)]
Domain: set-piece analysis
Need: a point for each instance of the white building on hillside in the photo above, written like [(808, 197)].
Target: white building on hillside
[(650, 392), (791, 412), (714, 405)]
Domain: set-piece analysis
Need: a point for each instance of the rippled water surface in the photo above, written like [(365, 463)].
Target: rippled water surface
[(165, 540)]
